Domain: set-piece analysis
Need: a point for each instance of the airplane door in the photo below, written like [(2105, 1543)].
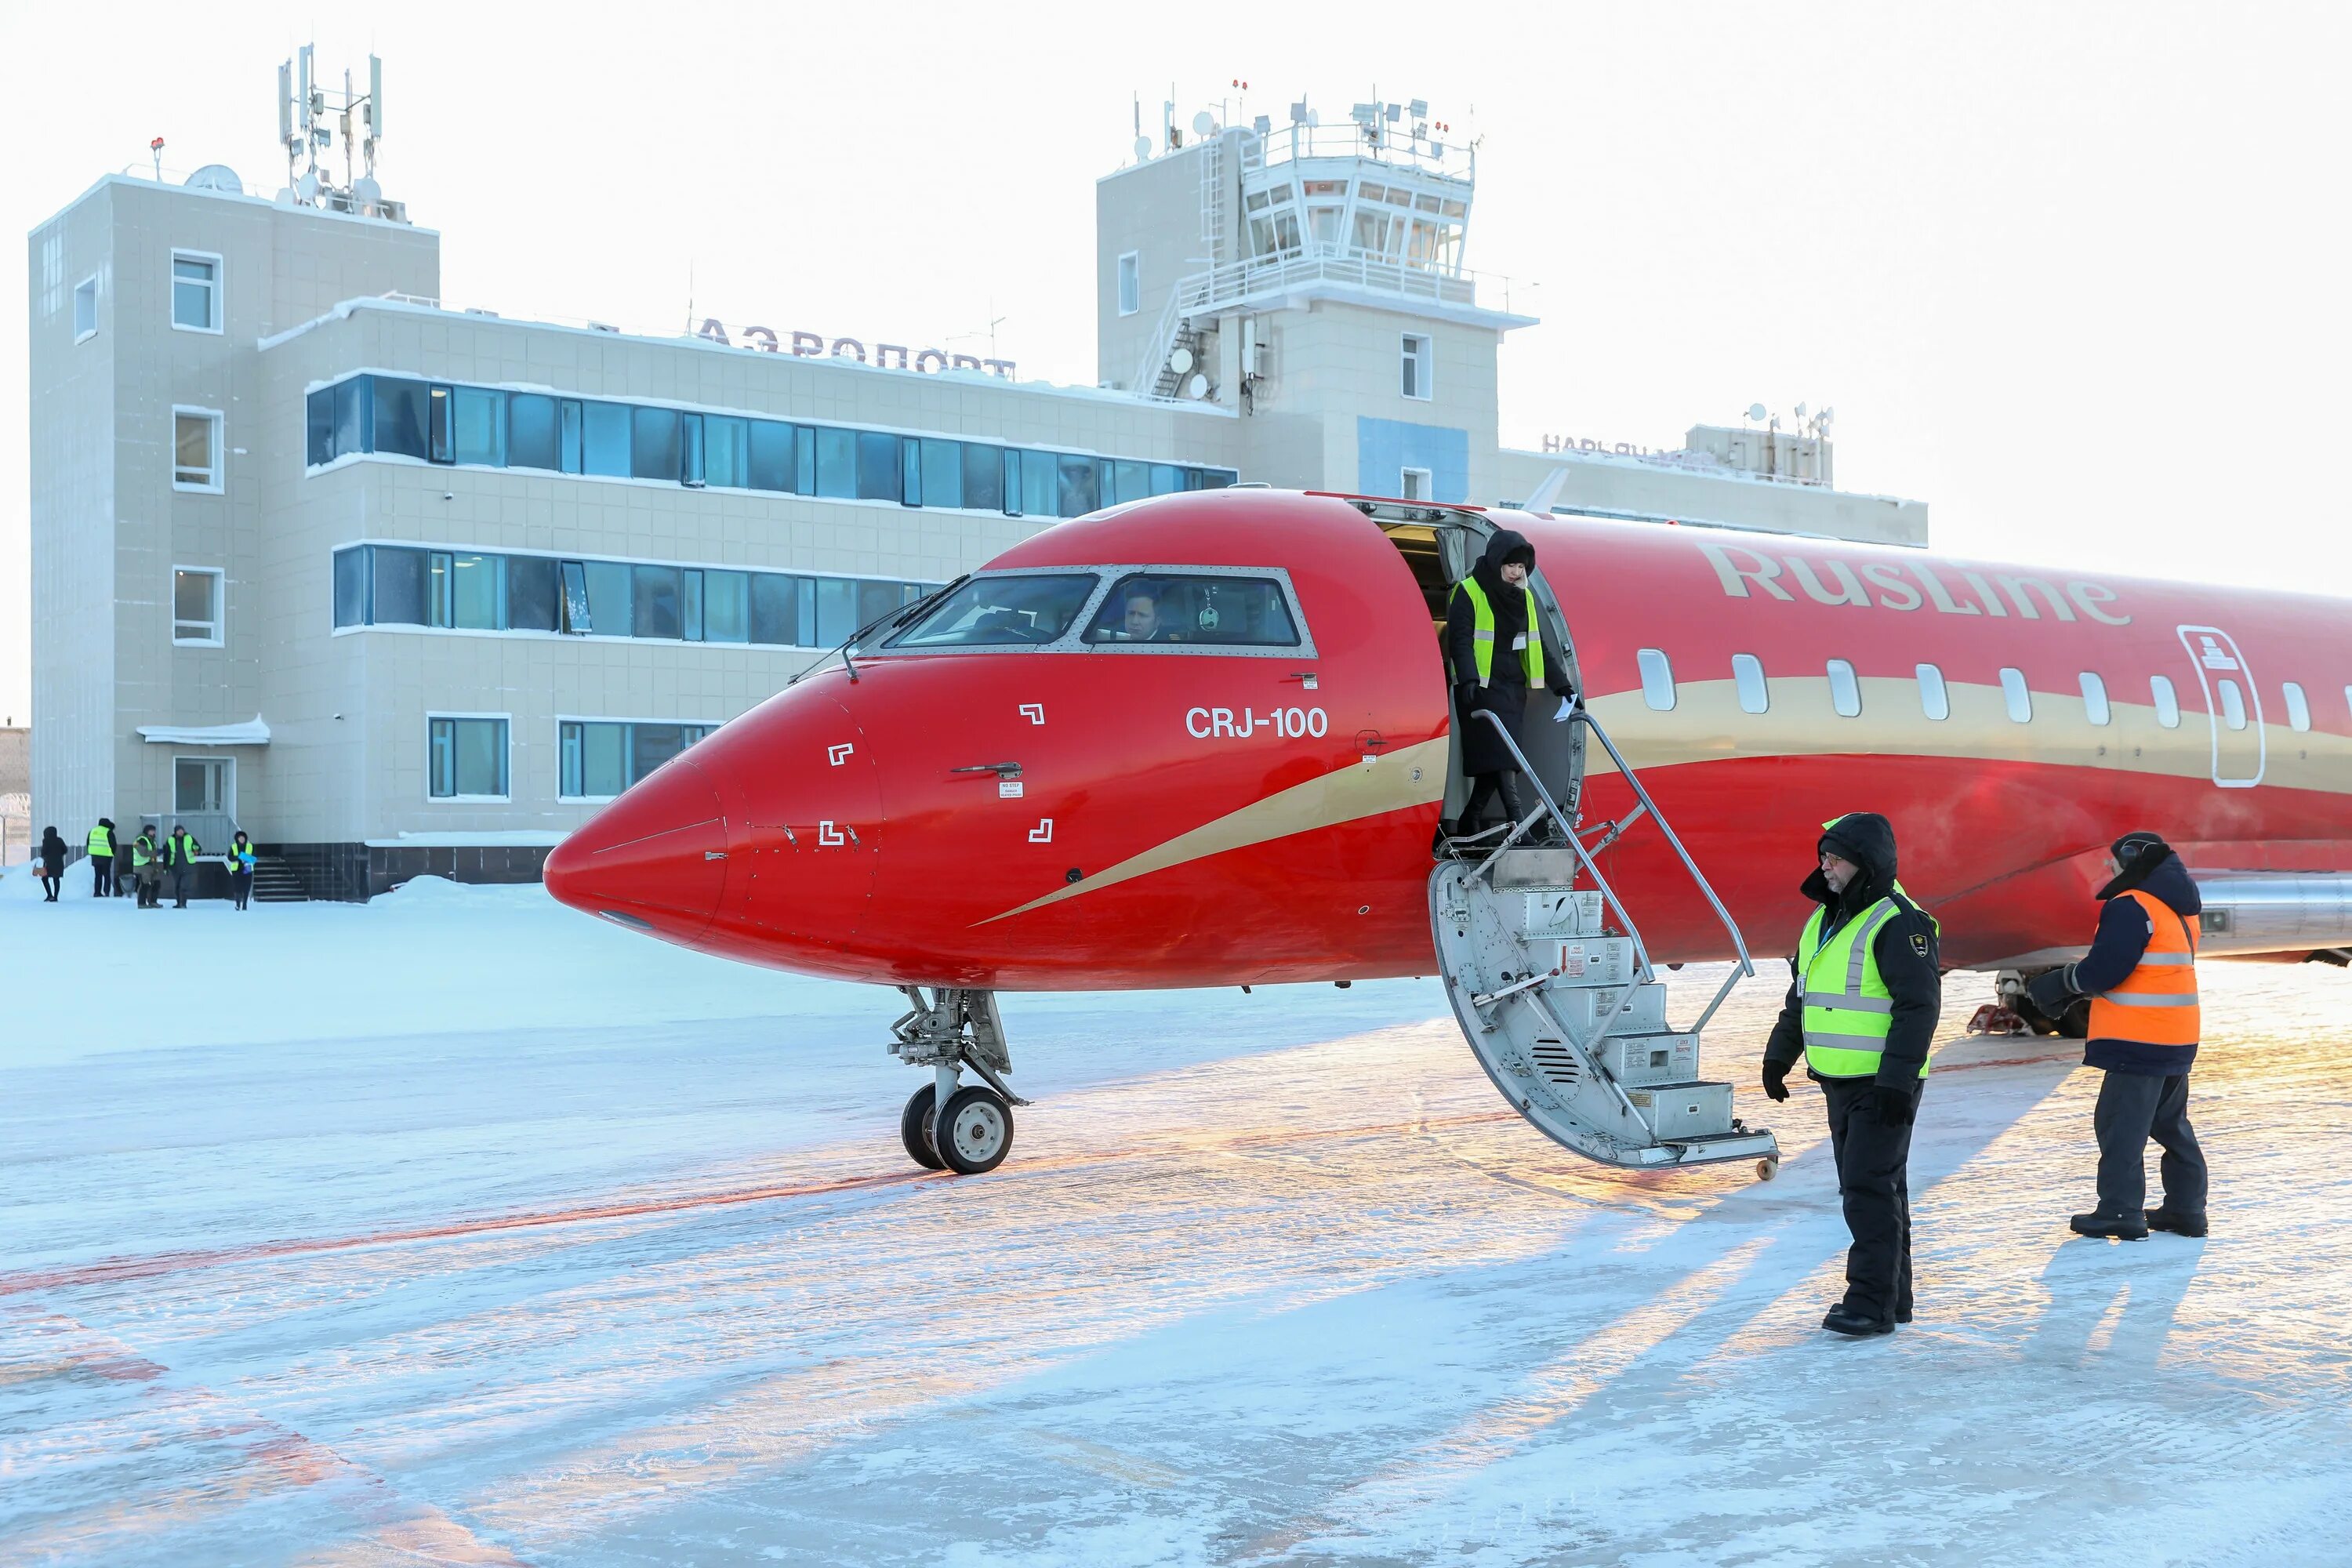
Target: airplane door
[(2234, 706)]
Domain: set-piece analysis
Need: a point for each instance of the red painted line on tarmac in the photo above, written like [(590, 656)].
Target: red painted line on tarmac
[(109, 1270)]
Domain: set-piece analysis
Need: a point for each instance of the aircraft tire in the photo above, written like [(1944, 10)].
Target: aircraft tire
[(975, 1131), (915, 1129)]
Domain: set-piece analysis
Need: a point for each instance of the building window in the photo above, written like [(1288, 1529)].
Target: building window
[(86, 308), (195, 449), (2015, 695), (601, 758), (1416, 366), (2167, 702), (1657, 679), (2095, 698), (2298, 707), (1412, 484), (1748, 675), (1845, 691), (1934, 700), (1131, 283), (467, 756), (196, 606), (196, 291)]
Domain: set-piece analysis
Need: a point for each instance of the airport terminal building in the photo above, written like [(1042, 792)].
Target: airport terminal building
[(397, 587)]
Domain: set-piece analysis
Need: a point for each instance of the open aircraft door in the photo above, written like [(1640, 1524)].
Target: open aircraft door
[(2234, 706)]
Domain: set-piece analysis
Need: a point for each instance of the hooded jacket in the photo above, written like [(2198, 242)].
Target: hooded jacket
[(1906, 949), (2150, 867), (1510, 606)]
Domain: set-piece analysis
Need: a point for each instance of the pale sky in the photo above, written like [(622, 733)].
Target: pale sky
[(2074, 275)]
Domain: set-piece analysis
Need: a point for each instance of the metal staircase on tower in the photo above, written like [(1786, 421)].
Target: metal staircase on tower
[(1554, 989)]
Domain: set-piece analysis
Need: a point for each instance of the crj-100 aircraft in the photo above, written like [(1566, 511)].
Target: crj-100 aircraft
[(1205, 740)]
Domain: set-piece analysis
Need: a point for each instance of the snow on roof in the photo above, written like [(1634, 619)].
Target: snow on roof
[(252, 732)]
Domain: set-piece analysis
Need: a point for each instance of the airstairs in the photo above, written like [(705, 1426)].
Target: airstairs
[(1555, 993)]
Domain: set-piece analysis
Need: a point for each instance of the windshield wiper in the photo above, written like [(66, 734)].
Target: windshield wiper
[(895, 617)]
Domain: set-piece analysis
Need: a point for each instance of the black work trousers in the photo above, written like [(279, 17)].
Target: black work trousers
[(2133, 1107), (101, 875), (1873, 1180), (180, 876), (1484, 788)]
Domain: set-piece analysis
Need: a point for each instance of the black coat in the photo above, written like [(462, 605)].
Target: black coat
[(2123, 936), (1506, 695), (1906, 948), (52, 855)]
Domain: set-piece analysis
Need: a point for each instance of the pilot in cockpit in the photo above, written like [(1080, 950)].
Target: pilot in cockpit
[(1142, 623)]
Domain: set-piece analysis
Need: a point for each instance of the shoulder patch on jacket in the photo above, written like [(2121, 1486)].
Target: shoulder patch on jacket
[(1919, 942)]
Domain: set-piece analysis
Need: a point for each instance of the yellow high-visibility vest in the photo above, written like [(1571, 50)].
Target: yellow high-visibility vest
[(1482, 645)]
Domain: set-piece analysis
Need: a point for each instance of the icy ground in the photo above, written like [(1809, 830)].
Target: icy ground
[(459, 1229)]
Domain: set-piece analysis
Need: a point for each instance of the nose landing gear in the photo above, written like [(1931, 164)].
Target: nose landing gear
[(949, 1125)]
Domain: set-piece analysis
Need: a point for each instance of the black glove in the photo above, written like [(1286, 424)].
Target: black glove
[(1776, 1080), (2050, 993), (1897, 1107), (1465, 697)]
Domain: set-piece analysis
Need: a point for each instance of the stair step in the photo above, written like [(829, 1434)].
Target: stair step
[(1683, 1111)]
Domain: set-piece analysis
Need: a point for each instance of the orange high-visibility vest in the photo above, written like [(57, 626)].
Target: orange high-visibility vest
[(2156, 1003)]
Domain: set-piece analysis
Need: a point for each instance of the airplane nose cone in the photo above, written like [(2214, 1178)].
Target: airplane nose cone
[(654, 860)]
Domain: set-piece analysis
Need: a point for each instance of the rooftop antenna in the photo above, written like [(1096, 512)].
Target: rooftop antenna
[(155, 148), (305, 130)]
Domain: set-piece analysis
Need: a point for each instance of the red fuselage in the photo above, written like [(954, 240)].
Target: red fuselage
[(1199, 816)]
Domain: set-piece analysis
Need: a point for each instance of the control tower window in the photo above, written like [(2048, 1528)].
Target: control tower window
[(1416, 367), (1131, 283)]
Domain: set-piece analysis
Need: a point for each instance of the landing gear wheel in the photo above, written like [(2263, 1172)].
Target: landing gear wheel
[(2074, 1023), (975, 1131), (1767, 1168), (915, 1128)]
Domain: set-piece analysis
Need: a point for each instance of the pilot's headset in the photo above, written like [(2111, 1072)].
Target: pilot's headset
[(1208, 615)]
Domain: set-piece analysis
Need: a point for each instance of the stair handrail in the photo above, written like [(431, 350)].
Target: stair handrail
[(1583, 715), (1551, 807)]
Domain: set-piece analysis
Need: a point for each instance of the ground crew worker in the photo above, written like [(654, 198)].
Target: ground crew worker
[(146, 867), (1862, 1010), (242, 858), (101, 858), (2141, 977), (1494, 608), (180, 852)]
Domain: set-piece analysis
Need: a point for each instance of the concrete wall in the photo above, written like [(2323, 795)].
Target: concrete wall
[(1154, 209)]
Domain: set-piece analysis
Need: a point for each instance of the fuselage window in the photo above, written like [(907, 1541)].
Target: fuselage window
[(1748, 674), (2233, 704), (2015, 694), (1934, 700), (2298, 708), (1845, 692), (2168, 705), (1168, 607), (1002, 612), (1657, 679), (2095, 698)]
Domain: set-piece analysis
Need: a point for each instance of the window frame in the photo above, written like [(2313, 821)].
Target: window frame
[(97, 290), (2164, 698), (2097, 707), (219, 575), (1423, 358), (218, 289), (1098, 602), (2298, 705), (1129, 284), (219, 422), (1404, 483), (1108, 574), (506, 765), (2016, 693), (1846, 688), (1930, 678), (709, 727), (1655, 662), (1740, 677)]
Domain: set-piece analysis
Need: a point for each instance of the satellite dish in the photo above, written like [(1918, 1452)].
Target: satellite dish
[(1180, 361), (306, 190), (215, 178), (1142, 148), (285, 197), (366, 192), (1197, 386), (1756, 411), (1314, 119), (1203, 124)]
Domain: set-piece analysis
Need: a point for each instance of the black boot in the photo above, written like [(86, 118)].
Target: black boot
[(2123, 1227), (2179, 1223), (1844, 1319)]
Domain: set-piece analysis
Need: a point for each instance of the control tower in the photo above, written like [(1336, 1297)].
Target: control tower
[(1309, 278)]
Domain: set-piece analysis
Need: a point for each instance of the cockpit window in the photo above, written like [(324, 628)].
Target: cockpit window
[(1167, 607), (1002, 612)]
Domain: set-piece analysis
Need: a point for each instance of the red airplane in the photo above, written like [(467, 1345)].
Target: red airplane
[(1205, 740)]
